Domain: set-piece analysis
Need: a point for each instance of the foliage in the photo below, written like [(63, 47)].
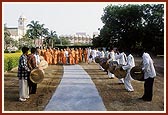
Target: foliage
[(11, 60), (36, 31), (8, 41), (132, 26), (64, 41), (52, 39), (25, 41)]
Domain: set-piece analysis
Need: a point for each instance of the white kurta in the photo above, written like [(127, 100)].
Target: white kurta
[(112, 58), (128, 67), (148, 67), (37, 57), (101, 56), (122, 60)]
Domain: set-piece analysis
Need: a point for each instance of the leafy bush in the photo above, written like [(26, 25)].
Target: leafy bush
[(18, 51), (11, 60)]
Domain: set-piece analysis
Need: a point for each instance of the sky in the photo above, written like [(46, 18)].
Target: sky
[(64, 18)]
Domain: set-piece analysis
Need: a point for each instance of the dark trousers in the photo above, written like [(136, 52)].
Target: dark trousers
[(148, 89), (32, 86)]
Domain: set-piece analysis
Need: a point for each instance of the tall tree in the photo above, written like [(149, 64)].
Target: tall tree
[(52, 39), (153, 27), (121, 25), (36, 31), (133, 26)]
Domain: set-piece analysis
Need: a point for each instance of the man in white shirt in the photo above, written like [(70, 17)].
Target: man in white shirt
[(128, 67), (66, 55), (101, 55), (37, 56), (122, 60), (111, 58), (149, 75)]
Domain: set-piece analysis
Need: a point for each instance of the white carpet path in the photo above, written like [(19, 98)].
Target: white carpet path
[(76, 92)]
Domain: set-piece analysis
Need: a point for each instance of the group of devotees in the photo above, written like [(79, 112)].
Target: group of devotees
[(71, 56)]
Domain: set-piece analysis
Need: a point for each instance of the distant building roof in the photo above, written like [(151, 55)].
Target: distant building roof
[(13, 31), (81, 33)]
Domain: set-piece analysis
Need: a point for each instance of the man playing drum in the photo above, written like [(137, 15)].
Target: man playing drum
[(128, 67), (122, 60)]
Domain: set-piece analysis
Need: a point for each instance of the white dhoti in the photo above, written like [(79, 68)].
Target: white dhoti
[(127, 82), (23, 89)]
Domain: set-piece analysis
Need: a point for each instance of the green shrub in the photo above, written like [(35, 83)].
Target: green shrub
[(18, 51), (11, 60), (5, 64)]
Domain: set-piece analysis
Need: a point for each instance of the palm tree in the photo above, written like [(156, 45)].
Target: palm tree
[(36, 31), (52, 38), (43, 33)]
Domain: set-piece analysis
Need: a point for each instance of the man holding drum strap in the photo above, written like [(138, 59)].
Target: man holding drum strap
[(128, 67), (32, 65), (122, 60), (111, 58)]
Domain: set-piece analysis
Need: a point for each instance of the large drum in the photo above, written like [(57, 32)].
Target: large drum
[(103, 63), (43, 64), (137, 73), (112, 66), (37, 75), (97, 59), (119, 73)]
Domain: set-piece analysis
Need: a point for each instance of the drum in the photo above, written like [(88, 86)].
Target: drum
[(137, 73), (103, 60), (103, 63), (97, 59), (37, 75), (43, 64), (119, 73), (41, 58), (112, 66)]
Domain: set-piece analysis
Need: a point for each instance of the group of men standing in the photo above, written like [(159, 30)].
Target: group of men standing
[(127, 61), (64, 56), (28, 62)]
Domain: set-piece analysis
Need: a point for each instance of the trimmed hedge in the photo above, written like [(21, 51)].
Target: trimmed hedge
[(11, 60)]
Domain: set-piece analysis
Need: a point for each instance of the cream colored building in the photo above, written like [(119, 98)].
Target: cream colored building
[(78, 38), (20, 31)]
